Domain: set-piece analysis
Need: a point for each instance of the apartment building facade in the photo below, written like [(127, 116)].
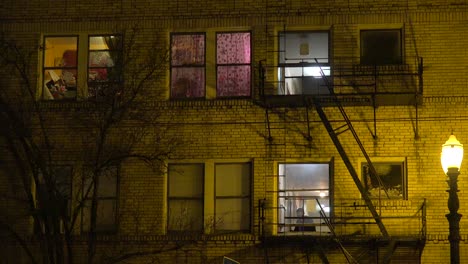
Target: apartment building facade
[(299, 131)]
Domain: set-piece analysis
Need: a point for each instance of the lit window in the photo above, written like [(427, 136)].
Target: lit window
[(381, 47), (106, 213), (104, 66), (185, 197), (187, 65), (391, 176), (233, 64), (303, 196), (303, 60), (60, 67), (232, 196)]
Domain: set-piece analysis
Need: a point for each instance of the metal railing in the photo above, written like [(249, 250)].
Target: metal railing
[(346, 219), (346, 74)]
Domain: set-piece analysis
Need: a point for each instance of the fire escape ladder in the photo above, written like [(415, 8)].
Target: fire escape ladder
[(267, 117), (350, 168), (334, 137), (308, 136)]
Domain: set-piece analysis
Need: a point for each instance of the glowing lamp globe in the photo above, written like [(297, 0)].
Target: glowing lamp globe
[(452, 154)]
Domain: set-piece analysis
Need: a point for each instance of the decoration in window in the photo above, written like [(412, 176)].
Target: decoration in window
[(233, 57), (392, 176), (187, 66), (60, 67), (104, 66)]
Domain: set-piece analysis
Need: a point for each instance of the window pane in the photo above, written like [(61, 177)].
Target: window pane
[(306, 176), (106, 215), (188, 49), (188, 66), (100, 59), (381, 47), (86, 214), (61, 51), (110, 42), (108, 183), (233, 48), (188, 82), (186, 180), (392, 176), (185, 215), (63, 177), (303, 47), (233, 81), (233, 214), (105, 66), (302, 185), (233, 179)]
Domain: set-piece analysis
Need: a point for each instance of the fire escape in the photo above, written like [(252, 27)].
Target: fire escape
[(340, 83)]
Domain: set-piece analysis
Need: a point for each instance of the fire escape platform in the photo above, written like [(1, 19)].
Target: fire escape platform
[(346, 240), (369, 99)]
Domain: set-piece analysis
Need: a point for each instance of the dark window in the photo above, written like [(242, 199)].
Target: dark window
[(233, 67), (55, 200), (187, 65), (381, 47), (107, 196)]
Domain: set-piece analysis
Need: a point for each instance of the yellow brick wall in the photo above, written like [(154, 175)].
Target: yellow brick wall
[(236, 129)]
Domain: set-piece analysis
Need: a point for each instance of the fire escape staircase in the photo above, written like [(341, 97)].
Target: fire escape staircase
[(275, 15), (334, 132)]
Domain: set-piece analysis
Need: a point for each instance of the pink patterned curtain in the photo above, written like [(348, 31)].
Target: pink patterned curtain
[(233, 57), (188, 66)]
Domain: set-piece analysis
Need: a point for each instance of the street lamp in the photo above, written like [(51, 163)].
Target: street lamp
[(451, 158)]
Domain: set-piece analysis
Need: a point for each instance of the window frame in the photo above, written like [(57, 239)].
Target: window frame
[(218, 65), (302, 63), (70, 187), (367, 60), (390, 161), (171, 66), (240, 197), (120, 80), (44, 68), (115, 227), (201, 199), (290, 218)]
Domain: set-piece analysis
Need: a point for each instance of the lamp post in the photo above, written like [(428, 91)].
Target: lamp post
[(451, 158)]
